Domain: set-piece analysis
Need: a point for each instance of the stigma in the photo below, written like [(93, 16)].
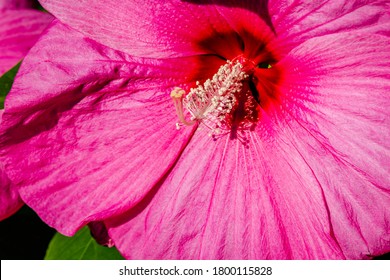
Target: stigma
[(222, 103)]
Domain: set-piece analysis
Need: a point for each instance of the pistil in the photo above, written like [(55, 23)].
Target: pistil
[(217, 102)]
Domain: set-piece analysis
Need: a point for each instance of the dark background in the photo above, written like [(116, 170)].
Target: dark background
[(24, 236)]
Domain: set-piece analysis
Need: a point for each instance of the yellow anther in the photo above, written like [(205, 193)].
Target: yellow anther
[(177, 93)]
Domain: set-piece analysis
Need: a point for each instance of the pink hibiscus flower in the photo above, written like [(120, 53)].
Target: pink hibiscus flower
[(20, 27), (281, 150)]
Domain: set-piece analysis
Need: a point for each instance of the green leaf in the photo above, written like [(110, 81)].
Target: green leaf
[(79, 247), (6, 82)]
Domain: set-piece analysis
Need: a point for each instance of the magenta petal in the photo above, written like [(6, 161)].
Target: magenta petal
[(84, 137), (224, 201), (148, 28), (16, 4), (297, 21), (10, 201), (19, 30), (313, 183), (341, 100)]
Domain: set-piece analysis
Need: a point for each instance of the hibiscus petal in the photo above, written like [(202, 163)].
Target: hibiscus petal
[(344, 95), (149, 28), (16, 4), (19, 30), (224, 201), (298, 20), (95, 133), (10, 201), (313, 182)]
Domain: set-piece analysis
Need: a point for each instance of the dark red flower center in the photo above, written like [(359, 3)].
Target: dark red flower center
[(233, 99)]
